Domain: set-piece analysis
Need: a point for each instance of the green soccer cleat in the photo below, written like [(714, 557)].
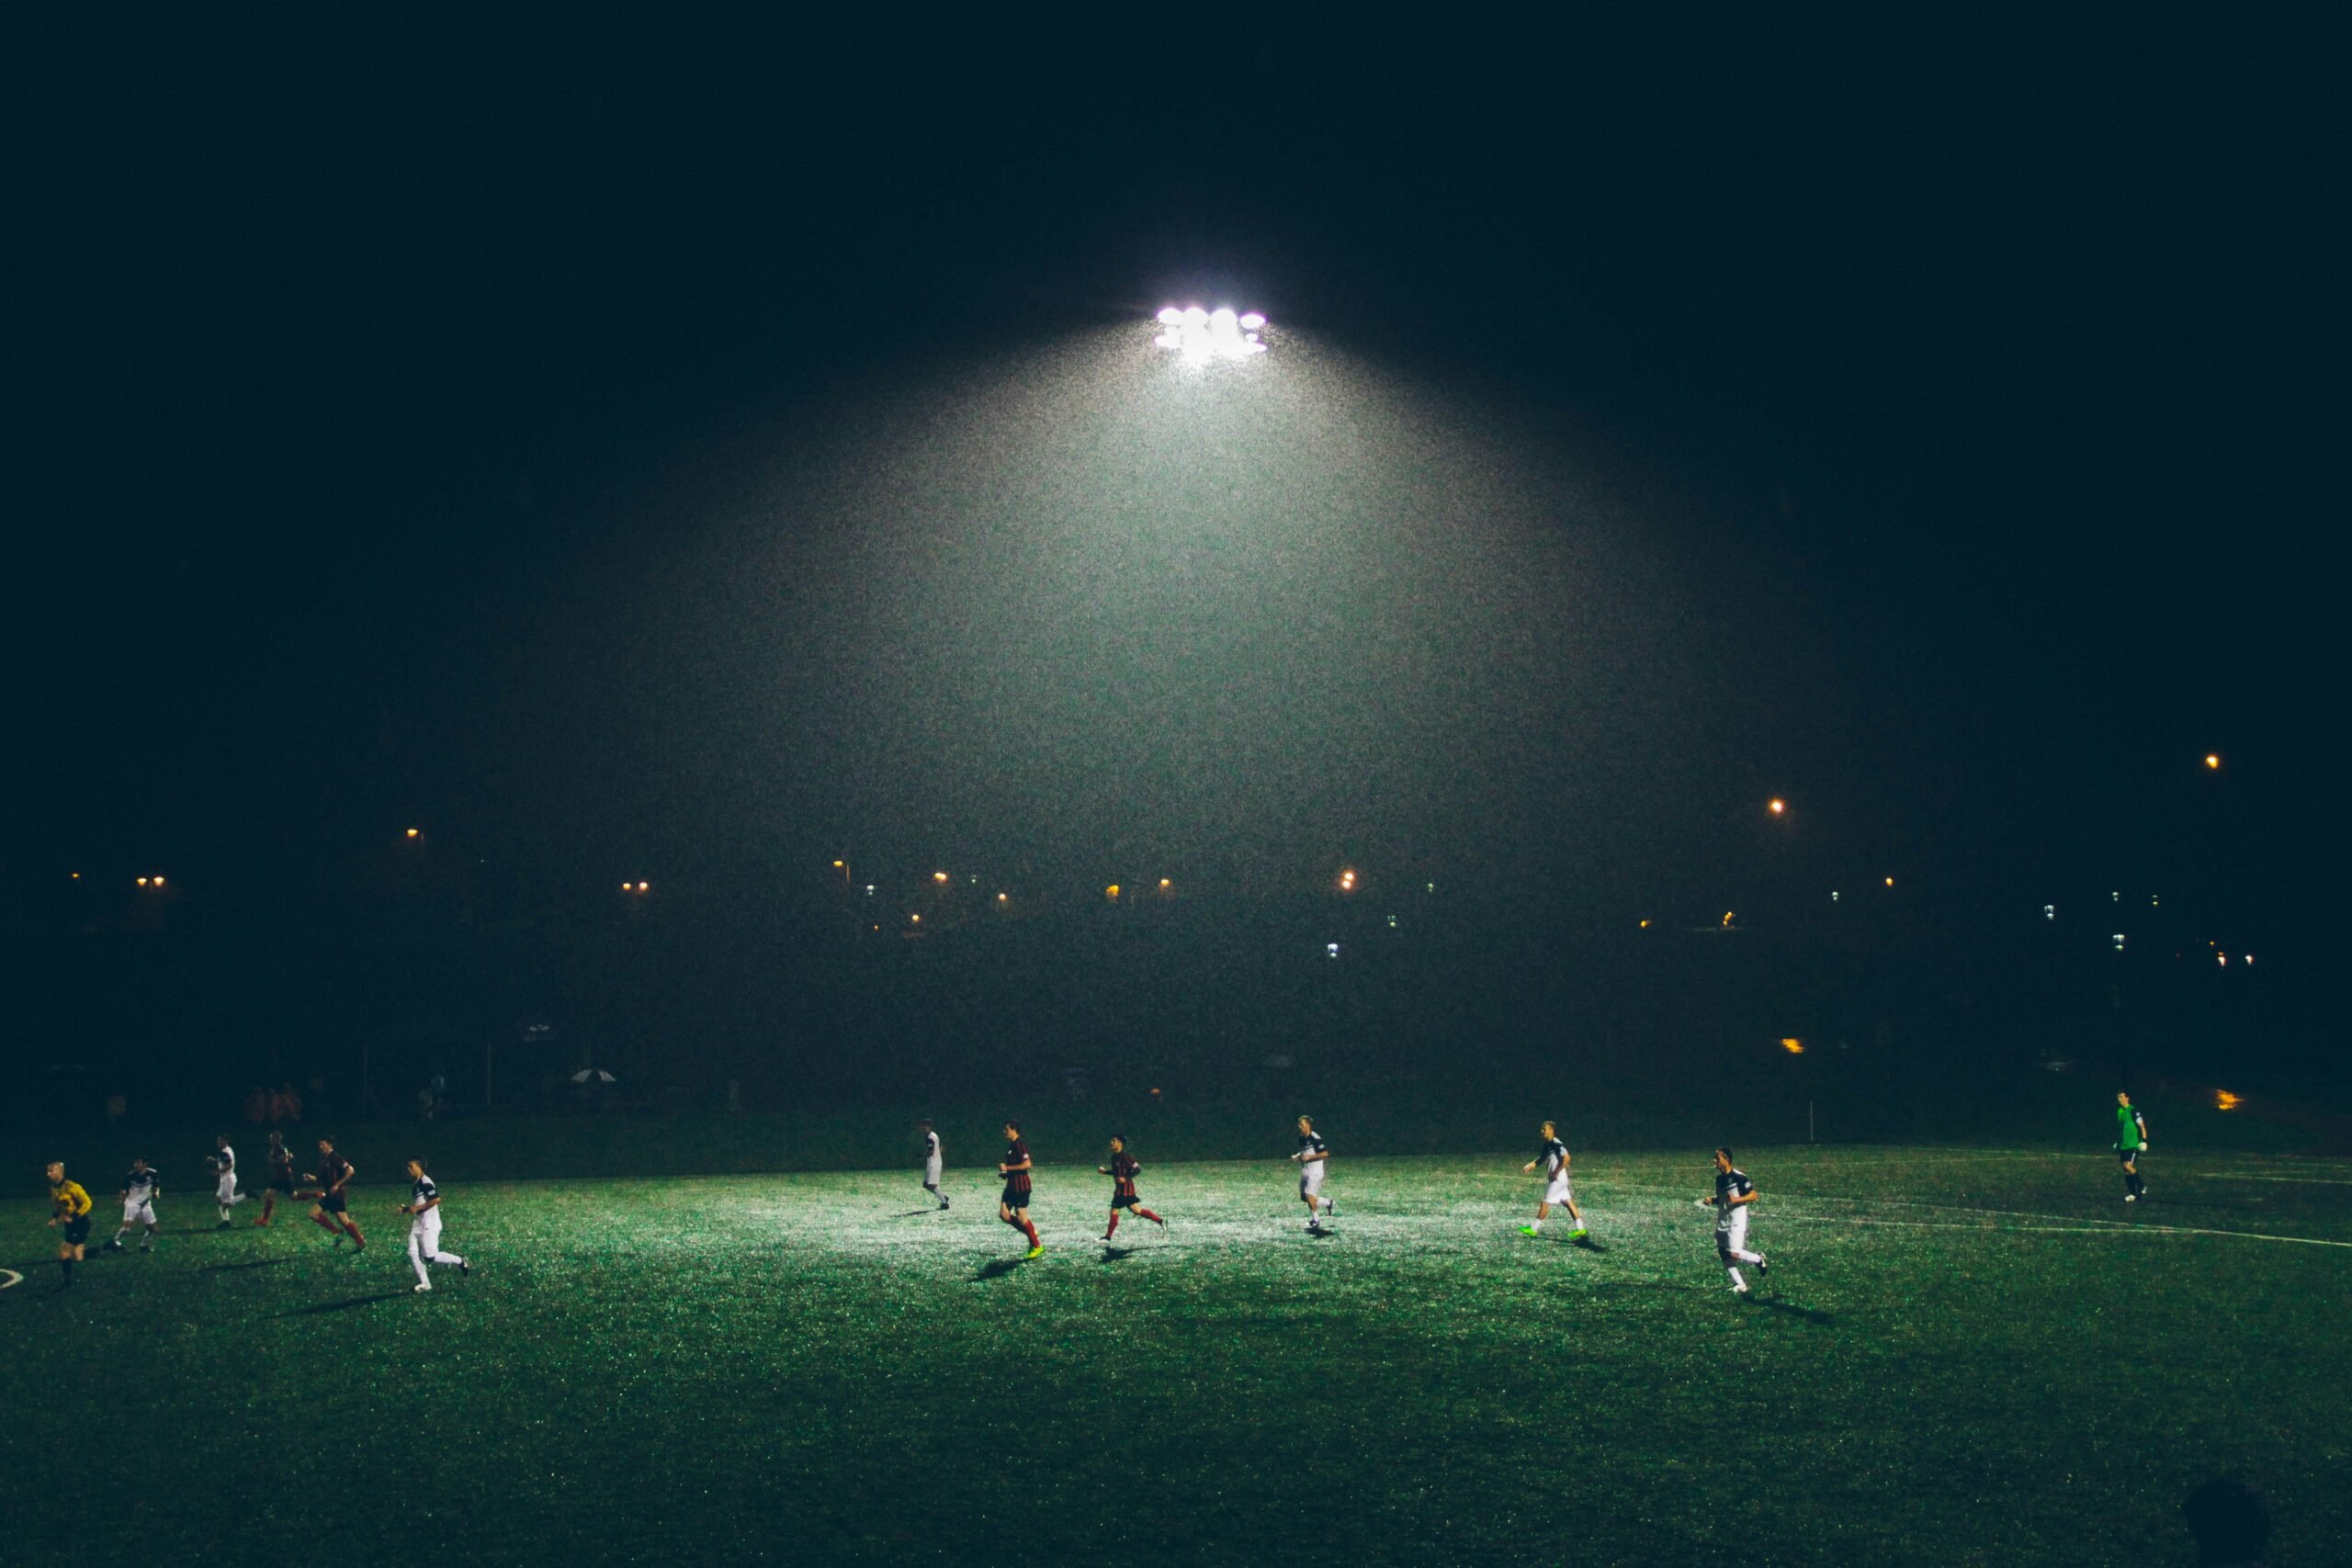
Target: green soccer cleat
[(1579, 1235), (1036, 1251), (1529, 1230)]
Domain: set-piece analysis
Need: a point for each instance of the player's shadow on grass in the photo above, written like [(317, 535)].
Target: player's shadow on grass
[(318, 1307), (997, 1269), (1810, 1314), (1113, 1254), (918, 1213), (233, 1268), (1585, 1244)]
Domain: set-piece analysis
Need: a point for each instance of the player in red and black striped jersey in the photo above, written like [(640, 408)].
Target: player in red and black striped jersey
[(332, 1211), (281, 1177), (1123, 1171), (1013, 1207)]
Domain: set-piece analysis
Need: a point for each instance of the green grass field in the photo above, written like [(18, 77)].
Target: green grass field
[(1961, 1357)]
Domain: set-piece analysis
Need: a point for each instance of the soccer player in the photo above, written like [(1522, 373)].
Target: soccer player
[(424, 1209), (139, 1191), (1554, 1157), (1013, 1208), (2131, 1142), (1123, 1171), (1312, 1153), (281, 1176), (224, 1165), (931, 1164), (332, 1211), (1735, 1194), (69, 1207)]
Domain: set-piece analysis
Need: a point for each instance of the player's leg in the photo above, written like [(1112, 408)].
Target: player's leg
[(1112, 1228), (325, 1221), (351, 1228), (1143, 1212), (416, 1254), (269, 1206)]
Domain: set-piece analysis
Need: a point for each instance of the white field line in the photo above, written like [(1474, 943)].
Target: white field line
[(13, 1278)]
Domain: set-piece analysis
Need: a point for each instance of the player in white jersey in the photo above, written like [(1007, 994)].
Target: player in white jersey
[(139, 1191), (931, 1164), (1312, 1153), (1554, 1157), (424, 1209), (224, 1165), (1735, 1195)]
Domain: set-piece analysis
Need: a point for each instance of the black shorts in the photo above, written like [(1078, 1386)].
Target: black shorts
[(1015, 1197), (2127, 1156), (78, 1230), (1124, 1200), (332, 1202), (282, 1184)]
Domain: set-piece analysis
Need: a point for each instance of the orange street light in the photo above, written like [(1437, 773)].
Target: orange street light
[(1110, 892), (940, 877), (414, 834), (1164, 885), (2213, 760), (1778, 806), (1346, 881), (1890, 882), (1792, 1046), (1001, 898)]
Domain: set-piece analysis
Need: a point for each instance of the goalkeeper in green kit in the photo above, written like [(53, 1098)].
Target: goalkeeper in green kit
[(2131, 1142)]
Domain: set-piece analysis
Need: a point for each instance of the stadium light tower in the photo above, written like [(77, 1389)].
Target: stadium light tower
[(1199, 337)]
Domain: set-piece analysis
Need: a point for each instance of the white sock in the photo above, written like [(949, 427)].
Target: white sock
[(1737, 1282), (120, 1234), (1535, 1225), (224, 1210)]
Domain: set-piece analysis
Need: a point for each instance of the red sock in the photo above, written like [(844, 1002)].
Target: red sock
[(1147, 1214), (355, 1232), (1031, 1226), (1115, 1223), (326, 1225)]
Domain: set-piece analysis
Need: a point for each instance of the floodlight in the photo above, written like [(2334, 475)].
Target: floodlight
[(1200, 335)]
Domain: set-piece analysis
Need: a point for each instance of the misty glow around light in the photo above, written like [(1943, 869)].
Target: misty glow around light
[(1198, 336)]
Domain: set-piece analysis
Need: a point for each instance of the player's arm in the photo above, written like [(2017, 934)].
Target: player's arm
[(1736, 1199), (1008, 1170), (432, 1203), (344, 1179), (2142, 1121)]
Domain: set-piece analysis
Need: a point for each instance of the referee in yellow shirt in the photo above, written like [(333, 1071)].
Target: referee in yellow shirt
[(72, 1211)]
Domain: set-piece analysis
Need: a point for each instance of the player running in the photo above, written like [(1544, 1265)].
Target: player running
[(2131, 1142), (139, 1188), (331, 1210), (1123, 1171), (1735, 1195), (931, 1163), (424, 1209), (223, 1162), (1013, 1207), (281, 1176), (69, 1207), (1554, 1157), (1312, 1153)]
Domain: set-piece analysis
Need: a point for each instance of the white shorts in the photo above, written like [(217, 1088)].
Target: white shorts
[(228, 1187), (425, 1230), (1310, 1179), (1558, 1191), (142, 1212), (1731, 1230), (930, 1173)]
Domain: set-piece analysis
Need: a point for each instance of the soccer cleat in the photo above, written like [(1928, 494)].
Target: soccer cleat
[(1106, 1235), (462, 1268), (2130, 1197), (1739, 1289), (1763, 1269), (1578, 1234), (1036, 1251), (1161, 1224), (113, 1245), (422, 1287), (261, 1224), (221, 1226), (1331, 1207), (1529, 1230)]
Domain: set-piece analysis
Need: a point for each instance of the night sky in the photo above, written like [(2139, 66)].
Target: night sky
[(715, 447)]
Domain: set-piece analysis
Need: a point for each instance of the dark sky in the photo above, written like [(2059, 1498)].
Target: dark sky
[(693, 441)]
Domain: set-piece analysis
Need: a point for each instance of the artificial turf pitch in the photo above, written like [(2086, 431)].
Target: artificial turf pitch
[(1960, 1357)]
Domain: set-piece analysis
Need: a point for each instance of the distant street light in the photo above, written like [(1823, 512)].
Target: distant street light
[(2213, 761), (414, 834), (1346, 881), (1778, 807)]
